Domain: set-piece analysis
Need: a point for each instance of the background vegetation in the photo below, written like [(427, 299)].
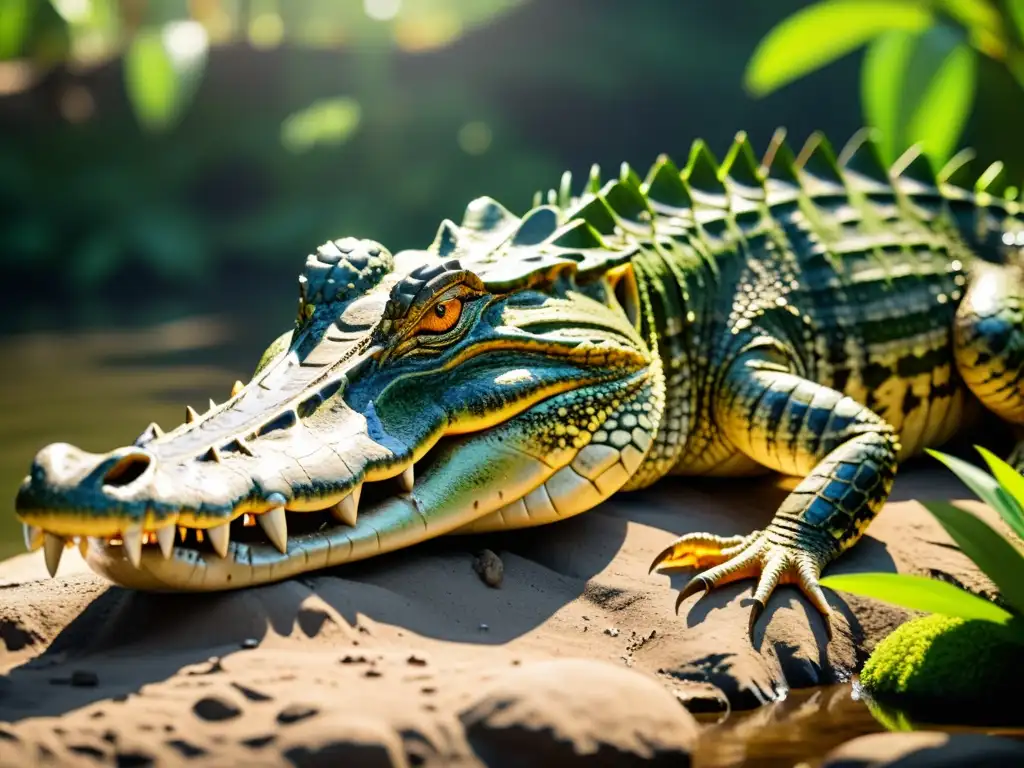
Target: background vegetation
[(151, 146)]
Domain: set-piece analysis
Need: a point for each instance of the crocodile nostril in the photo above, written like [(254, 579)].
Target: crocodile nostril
[(127, 470)]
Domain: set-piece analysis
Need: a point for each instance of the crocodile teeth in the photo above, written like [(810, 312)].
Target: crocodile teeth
[(238, 387), (83, 546), (53, 548), (190, 414), (213, 405), (275, 524), (220, 537), (165, 538), (33, 537), (347, 509), (406, 479), (131, 540), (242, 447)]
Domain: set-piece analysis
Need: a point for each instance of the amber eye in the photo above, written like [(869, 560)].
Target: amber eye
[(442, 317)]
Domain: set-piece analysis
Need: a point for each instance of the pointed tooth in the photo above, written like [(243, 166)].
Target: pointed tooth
[(152, 432), (238, 387), (220, 537), (347, 510), (213, 405), (165, 538), (190, 414), (212, 454), (275, 524), (33, 537), (406, 479), (242, 447), (131, 540), (53, 548), (83, 546)]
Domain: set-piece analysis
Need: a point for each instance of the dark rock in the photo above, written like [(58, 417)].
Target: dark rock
[(926, 749), (489, 568), (576, 712)]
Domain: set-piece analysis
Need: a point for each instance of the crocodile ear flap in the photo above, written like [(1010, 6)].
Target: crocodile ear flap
[(623, 291)]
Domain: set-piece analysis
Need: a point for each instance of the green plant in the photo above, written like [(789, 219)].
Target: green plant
[(1000, 559), (919, 73)]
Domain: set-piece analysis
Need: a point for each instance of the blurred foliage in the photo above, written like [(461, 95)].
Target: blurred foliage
[(154, 145), (919, 75)]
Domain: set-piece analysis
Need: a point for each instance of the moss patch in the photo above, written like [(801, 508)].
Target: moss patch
[(949, 669)]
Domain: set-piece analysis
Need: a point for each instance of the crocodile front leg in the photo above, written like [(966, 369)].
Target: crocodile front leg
[(846, 453)]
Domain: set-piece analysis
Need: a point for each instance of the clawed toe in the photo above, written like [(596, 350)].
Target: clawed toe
[(771, 564), (698, 550)]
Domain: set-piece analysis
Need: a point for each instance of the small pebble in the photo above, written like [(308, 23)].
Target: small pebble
[(489, 568), (612, 631), (372, 673), (416, 661)]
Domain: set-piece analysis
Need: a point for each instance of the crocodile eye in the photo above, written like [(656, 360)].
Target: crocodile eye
[(442, 317)]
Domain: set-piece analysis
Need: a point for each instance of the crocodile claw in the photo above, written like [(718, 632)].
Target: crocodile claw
[(754, 556)]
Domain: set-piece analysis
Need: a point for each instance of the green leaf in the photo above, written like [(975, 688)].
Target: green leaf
[(14, 26), (824, 32), (993, 554), (162, 71), (1012, 483), (985, 486), (920, 594), (919, 87), (1016, 10)]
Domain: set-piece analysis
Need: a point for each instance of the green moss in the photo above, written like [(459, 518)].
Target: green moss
[(948, 668)]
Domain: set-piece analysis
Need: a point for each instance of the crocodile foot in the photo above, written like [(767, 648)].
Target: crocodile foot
[(731, 558)]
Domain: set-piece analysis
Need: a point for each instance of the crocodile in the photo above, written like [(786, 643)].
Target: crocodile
[(816, 314)]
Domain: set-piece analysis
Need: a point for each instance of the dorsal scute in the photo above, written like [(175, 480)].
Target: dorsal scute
[(595, 211), (741, 169), (664, 187), (701, 176), (993, 180), (817, 167), (913, 172), (862, 163), (565, 190), (629, 177), (446, 241), (779, 164), (626, 202), (577, 235), (485, 214), (536, 226), (958, 172)]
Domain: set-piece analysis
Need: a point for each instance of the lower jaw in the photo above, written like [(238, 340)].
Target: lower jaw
[(393, 524)]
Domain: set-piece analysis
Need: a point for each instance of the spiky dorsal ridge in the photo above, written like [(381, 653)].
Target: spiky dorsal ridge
[(573, 230)]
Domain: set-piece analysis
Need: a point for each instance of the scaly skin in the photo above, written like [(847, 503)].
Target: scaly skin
[(817, 318)]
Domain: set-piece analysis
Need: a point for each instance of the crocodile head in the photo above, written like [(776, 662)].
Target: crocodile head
[(497, 379)]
